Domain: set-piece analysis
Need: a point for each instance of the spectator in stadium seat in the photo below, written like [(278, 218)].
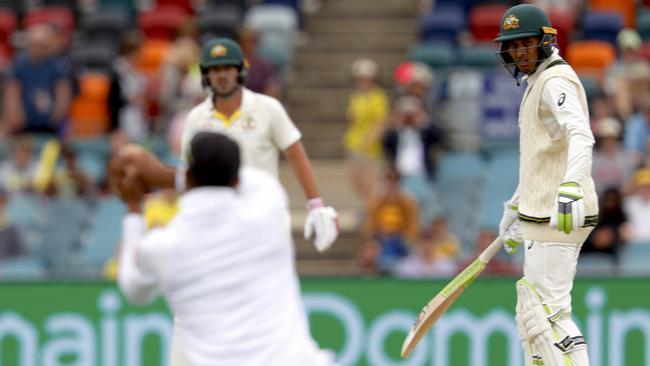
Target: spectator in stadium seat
[(629, 78), (637, 131), (262, 76), (39, 92), (412, 144), (69, 180), (391, 224), (18, 170), (607, 235), (180, 89), (11, 242), (612, 166), (367, 115), (127, 93), (637, 208), (436, 255)]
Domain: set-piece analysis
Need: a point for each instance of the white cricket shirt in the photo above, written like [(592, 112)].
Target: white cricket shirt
[(261, 126), (225, 265)]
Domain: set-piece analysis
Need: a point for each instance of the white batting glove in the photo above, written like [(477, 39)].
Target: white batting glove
[(323, 222), (509, 228), (569, 211)]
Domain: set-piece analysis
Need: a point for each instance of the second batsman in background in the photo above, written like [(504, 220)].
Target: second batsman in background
[(554, 207), (258, 123), (224, 264)]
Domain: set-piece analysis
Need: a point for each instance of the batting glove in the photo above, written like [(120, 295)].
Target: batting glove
[(323, 222), (569, 211), (509, 230)]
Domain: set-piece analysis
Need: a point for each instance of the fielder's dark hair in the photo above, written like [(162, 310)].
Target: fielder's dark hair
[(213, 159)]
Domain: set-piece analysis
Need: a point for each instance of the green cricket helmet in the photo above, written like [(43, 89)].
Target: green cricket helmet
[(223, 52), (523, 21)]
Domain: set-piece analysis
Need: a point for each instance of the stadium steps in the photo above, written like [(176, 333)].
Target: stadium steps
[(320, 82)]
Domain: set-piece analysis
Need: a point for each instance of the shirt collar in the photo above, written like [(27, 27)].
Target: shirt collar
[(534, 76), (245, 107), (202, 197)]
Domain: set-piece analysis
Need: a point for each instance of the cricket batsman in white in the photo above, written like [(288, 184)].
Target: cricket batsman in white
[(554, 207), (224, 264)]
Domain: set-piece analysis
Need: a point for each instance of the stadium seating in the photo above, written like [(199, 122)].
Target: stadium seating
[(478, 57), (21, 268), (105, 232), (596, 264), (94, 56), (484, 21), (277, 26), (186, 5), (8, 24), (219, 21), (591, 58), (602, 26), (442, 25), (92, 156), (626, 8), (60, 16), (435, 55), (161, 22), (152, 55), (24, 211), (89, 110), (106, 24), (643, 25), (635, 259), (503, 168), (564, 22), (645, 51)]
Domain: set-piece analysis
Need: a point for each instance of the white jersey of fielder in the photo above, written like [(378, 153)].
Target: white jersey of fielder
[(225, 265), (261, 126)]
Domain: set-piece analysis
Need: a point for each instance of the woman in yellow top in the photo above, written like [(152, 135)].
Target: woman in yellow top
[(368, 111)]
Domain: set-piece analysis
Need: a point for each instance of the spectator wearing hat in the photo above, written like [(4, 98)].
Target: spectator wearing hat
[(612, 165), (637, 208), (367, 114), (629, 78), (415, 79)]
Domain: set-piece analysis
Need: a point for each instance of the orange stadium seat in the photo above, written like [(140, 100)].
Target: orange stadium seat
[(626, 8), (8, 24), (591, 58), (162, 22), (89, 110), (484, 21), (151, 56), (57, 15)]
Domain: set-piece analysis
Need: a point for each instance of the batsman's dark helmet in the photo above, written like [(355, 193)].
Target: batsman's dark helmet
[(523, 21), (223, 52)]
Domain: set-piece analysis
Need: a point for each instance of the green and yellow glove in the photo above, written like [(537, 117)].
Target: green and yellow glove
[(569, 211)]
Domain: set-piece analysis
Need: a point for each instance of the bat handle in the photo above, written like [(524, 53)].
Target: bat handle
[(490, 251)]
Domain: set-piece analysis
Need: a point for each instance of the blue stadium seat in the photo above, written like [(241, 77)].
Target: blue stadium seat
[(277, 26), (503, 175), (92, 156), (66, 220), (478, 57), (435, 55), (635, 259), (24, 210), (596, 264), (105, 232), (442, 25), (460, 182), (22, 268), (603, 26)]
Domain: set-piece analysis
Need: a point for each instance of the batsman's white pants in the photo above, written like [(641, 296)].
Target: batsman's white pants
[(550, 269)]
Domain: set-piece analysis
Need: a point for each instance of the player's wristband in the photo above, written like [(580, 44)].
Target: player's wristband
[(315, 203)]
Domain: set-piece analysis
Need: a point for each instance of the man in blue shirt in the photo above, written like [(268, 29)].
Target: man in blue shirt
[(39, 91)]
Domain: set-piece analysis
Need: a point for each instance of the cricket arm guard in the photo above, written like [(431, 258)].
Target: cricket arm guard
[(322, 222), (545, 341)]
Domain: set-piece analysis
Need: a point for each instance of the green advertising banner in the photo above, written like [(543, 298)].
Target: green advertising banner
[(363, 320)]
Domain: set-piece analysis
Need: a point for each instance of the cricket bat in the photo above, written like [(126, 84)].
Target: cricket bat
[(447, 296)]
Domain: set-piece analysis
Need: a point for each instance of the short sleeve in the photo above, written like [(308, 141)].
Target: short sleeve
[(284, 132)]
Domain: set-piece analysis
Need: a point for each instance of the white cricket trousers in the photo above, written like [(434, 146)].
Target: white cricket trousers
[(551, 267)]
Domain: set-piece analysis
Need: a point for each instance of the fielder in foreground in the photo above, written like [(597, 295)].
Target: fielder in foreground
[(224, 264), (554, 207)]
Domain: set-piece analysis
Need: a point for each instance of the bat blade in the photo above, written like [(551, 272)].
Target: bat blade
[(446, 297)]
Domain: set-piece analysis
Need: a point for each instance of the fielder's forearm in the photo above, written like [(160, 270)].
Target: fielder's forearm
[(297, 157)]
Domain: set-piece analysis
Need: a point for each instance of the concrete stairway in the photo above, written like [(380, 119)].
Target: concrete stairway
[(316, 97), (342, 31)]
